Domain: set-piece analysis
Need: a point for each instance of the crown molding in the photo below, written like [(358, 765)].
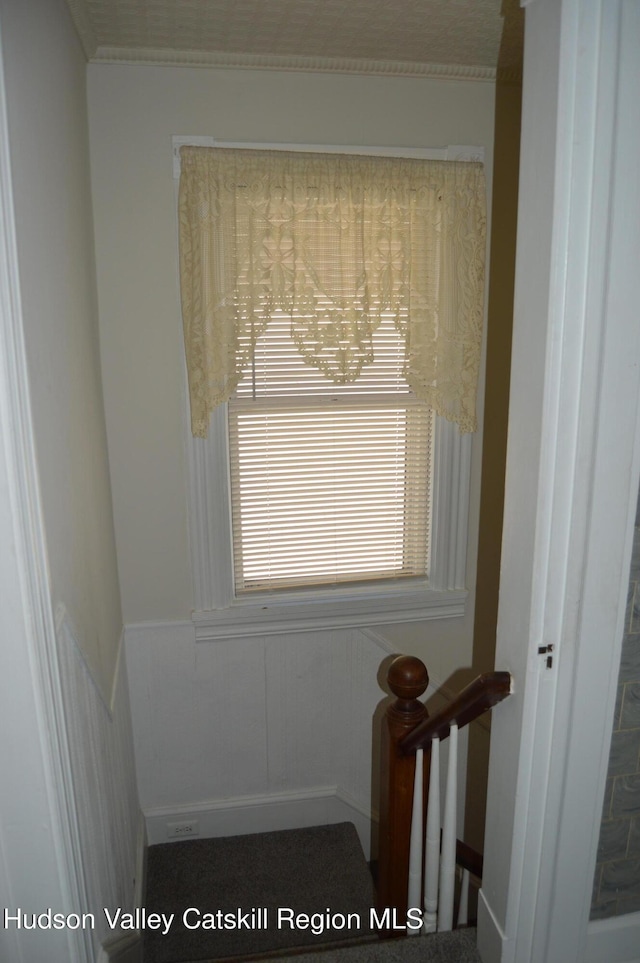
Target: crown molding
[(203, 58)]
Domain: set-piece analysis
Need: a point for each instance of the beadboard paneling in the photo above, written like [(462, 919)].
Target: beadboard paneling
[(238, 717), (249, 735), (103, 783)]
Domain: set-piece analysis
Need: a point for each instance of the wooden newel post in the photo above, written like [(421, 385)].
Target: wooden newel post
[(408, 679)]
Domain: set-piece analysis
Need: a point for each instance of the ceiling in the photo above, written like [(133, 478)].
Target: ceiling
[(458, 38)]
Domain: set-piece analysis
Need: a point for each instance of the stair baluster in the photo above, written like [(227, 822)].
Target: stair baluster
[(415, 845), (432, 849), (407, 732), (463, 909), (448, 853)]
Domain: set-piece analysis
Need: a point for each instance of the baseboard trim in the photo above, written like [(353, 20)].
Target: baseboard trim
[(321, 805), (122, 949), (615, 940), (492, 942), (128, 947)]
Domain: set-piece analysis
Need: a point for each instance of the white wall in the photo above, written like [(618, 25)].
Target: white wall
[(69, 810), (270, 732), (253, 734), (196, 750), (47, 112), (134, 111)]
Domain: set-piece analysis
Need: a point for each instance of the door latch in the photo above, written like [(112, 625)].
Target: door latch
[(544, 650)]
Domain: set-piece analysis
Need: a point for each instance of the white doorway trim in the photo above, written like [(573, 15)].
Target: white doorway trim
[(572, 475), (40, 860)]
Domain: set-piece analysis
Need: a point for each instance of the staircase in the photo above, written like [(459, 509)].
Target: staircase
[(308, 893), (304, 894), (256, 894), (459, 946)]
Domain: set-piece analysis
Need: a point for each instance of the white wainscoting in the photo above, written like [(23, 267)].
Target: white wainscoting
[(256, 734), (102, 785)]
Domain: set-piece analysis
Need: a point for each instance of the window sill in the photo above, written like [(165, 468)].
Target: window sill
[(274, 615)]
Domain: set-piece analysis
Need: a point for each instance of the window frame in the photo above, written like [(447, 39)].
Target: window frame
[(220, 614)]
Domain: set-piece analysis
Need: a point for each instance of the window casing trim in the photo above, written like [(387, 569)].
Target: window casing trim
[(218, 614), (461, 152)]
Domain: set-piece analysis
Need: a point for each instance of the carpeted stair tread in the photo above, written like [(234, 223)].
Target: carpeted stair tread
[(456, 947), (294, 953), (308, 870)]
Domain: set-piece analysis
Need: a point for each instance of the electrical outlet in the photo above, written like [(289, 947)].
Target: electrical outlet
[(189, 827)]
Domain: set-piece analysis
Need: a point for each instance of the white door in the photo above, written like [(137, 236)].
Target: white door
[(571, 487)]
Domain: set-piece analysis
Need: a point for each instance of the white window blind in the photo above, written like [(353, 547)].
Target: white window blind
[(330, 484)]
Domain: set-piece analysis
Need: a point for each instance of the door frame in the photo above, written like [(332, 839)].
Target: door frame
[(573, 466), (40, 858)]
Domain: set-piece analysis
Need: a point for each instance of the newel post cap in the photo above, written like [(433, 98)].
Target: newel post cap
[(407, 677)]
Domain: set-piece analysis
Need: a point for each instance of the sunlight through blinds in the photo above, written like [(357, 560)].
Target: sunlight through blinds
[(330, 484)]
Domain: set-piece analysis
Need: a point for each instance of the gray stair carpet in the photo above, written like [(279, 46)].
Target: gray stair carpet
[(247, 895), (456, 947)]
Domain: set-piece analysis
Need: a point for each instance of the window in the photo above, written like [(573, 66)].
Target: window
[(330, 484), (325, 340)]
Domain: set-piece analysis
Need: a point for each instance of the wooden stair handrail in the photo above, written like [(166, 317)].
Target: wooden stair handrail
[(469, 858), (480, 695), (407, 727)]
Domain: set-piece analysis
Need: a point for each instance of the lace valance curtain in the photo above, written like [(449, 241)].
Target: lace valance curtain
[(335, 241)]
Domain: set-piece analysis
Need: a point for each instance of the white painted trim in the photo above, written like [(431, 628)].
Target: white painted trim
[(615, 940), (340, 65), (306, 614), (494, 945), (231, 803), (179, 625), (127, 948), (367, 811), (600, 394), (575, 432), (210, 514), (242, 815), (31, 561), (456, 152), (450, 514), (141, 863), (376, 637), (219, 615)]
